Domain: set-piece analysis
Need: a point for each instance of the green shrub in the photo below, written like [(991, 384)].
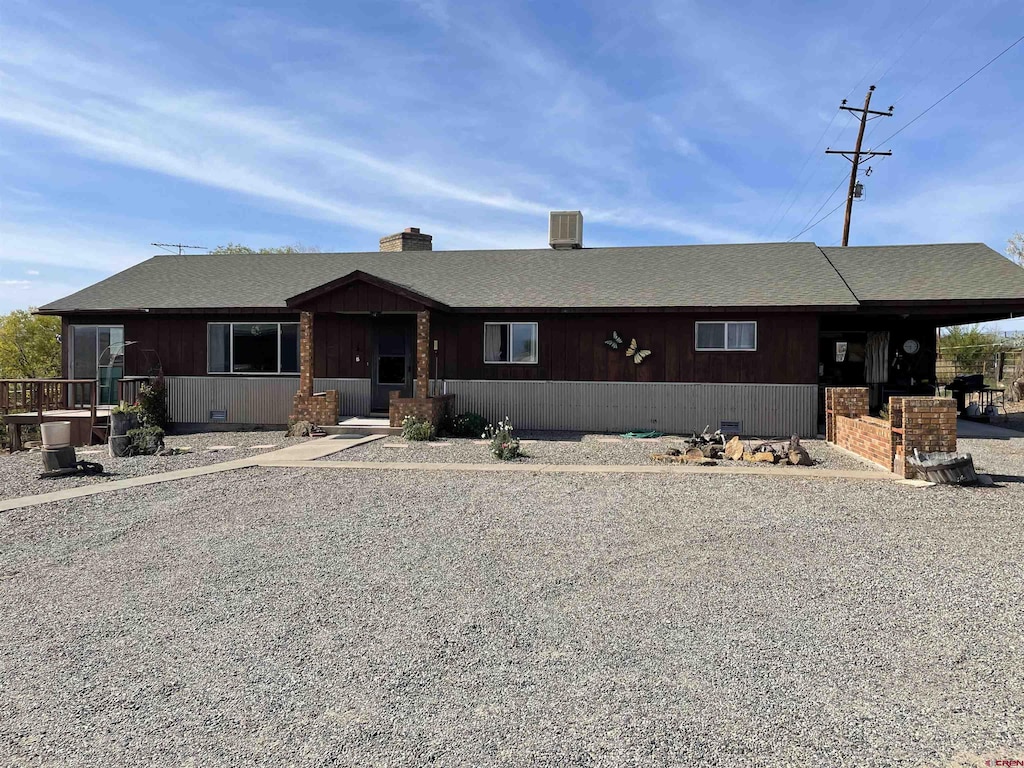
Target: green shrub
[(503, 445), (415, 428), (145, 441), (152, 403), (466, 425)]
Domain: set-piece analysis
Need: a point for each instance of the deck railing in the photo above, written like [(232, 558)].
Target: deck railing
[(39, 395)]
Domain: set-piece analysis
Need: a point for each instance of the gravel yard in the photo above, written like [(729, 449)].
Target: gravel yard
[(19, 472), (318, 616), (559, 448)]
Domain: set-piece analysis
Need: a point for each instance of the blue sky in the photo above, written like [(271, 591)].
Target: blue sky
[(333, 123)]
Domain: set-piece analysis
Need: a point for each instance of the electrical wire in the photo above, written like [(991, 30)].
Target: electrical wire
[(842, 179), (977, 72), (812, 226)]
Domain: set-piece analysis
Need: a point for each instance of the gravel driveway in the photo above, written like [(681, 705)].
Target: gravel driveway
[(560, 448), (325, 617), (19, 472)]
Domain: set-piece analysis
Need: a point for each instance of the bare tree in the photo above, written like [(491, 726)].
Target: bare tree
[(1015, 248)]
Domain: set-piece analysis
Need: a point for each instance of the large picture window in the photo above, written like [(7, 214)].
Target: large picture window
[(726, 336), (256, 348), (510, 342)]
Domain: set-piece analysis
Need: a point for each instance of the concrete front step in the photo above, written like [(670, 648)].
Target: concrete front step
[(362, 425)]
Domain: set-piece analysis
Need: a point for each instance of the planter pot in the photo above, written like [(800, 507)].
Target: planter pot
[(56, 434), (119, 445), (59, 458), (120, 423)]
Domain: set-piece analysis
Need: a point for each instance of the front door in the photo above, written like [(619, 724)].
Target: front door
[(392, 365)]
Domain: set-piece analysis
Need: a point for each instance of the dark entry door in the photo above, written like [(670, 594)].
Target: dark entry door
[(392, 363)]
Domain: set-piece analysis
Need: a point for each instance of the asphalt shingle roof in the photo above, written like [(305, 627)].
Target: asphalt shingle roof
[(751, 275), (948, 272)]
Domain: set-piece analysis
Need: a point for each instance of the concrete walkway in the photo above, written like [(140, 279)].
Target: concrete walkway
[(305, 455), (975, 430), (314, 449)]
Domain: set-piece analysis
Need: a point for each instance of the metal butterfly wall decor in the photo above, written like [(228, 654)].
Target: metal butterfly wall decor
[(614, 341), (634, 351)]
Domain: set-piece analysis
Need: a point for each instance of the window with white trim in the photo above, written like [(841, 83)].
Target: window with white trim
[(510, 342), (256, 348), (726, 336)]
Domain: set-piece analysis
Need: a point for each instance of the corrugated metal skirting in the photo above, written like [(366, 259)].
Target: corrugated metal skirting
[(253, 399), (766, 410)]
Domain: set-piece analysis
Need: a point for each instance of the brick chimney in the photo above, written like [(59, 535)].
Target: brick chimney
[(409, 239)]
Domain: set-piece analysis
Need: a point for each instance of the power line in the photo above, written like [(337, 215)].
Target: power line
[(812, 226), (820, 207), (977, 72), (814, 172)]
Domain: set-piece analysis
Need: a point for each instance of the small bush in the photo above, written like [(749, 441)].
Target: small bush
[(152, 402), (145, 441), (466, 425), (503, 445), (415, 428)]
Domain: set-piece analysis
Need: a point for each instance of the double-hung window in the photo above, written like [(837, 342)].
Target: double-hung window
[(510, 342), (257, 348), (726, 336)]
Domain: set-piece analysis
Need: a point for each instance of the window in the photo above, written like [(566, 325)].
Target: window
[(510, 342), (727, 336), (256, 348)]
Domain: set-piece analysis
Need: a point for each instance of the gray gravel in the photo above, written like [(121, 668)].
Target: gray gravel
[(319, 617), (559, 448), (19, 472)]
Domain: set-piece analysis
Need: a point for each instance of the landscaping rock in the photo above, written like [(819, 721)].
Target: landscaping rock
[(300, 429), (734, 449), (799, 457)]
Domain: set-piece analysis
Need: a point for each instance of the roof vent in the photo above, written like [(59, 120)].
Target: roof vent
[(566, 229)]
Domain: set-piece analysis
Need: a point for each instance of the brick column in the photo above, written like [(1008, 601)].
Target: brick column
[(422, 354), (929, 425), (843, 401), (306, 354)]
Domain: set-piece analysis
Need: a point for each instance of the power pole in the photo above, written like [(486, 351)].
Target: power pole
[(855, 156)]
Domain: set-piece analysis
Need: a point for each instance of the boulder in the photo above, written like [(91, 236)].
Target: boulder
[(734, 449), (798, 456), (300, 429)]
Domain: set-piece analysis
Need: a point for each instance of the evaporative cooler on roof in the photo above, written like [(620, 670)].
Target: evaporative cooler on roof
[(566, 229)]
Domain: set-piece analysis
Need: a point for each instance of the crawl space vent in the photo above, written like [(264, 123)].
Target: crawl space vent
[(731, 427), (218, 415)]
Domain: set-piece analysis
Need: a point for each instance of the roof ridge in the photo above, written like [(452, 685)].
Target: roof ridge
[(841, 277)]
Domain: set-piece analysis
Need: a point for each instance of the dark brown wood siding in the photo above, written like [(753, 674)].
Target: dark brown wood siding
[(361, 297), (337, 341), (179, 340), (571, 348)]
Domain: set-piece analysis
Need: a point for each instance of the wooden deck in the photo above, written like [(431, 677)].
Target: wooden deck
[(37, 401)]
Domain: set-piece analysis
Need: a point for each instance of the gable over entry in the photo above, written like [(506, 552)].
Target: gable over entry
[(396, 351)]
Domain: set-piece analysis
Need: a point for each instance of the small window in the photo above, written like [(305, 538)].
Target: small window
[(726, 336), (254, 348), (510, 342)]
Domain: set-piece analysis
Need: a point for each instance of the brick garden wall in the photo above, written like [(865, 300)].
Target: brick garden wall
[(868, 437), (926, 424)]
